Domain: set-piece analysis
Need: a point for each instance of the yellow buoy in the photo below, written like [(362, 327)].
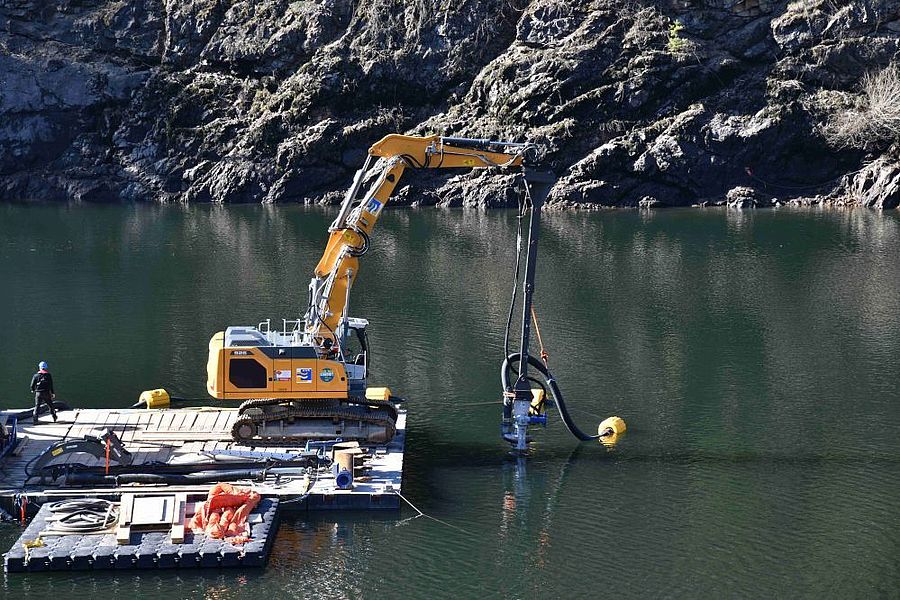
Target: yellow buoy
[(610, 429), (378, 393), (155, 398)]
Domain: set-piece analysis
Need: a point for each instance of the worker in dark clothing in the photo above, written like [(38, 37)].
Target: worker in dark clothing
[(42, 386)]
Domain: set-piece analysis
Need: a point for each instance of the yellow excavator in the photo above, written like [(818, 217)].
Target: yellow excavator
[(308, 379)]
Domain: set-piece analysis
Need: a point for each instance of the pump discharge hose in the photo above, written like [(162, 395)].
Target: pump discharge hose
[(506, 368)]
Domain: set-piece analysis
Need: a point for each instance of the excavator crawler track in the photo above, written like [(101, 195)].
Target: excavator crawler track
[(259, 416)]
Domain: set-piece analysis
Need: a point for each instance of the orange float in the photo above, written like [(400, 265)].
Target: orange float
[(224, 513)]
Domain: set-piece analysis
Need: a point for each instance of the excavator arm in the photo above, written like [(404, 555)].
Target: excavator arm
[(351, 231)]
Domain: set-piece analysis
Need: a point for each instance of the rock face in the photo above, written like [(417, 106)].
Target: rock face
[(673, 102), (877, 185)]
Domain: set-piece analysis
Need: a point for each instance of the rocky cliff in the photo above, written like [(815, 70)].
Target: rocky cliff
[(672, 102)]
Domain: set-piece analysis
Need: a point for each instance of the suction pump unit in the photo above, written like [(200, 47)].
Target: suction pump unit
[(523, 404)]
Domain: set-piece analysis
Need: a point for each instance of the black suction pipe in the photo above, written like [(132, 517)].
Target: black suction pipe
[(28, 413), (167, 478)]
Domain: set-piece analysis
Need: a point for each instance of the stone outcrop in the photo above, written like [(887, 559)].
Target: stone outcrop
[(674, 101), (742, 197), (877, 185)]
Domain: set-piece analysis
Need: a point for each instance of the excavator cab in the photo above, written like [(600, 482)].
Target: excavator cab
[(355, 348), (248, 362)]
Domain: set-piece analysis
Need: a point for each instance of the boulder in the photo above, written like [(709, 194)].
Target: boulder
[(877, 185), (650, 202), (742, 197)]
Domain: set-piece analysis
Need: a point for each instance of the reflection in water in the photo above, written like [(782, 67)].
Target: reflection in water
[(737, 345)]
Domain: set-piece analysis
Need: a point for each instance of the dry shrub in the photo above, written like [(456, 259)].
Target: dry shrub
[(875, 119)]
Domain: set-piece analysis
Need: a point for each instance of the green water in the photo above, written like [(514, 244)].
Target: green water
[(753, 355)]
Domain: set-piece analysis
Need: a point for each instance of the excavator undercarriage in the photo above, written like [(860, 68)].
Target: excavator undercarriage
[(275, 422)]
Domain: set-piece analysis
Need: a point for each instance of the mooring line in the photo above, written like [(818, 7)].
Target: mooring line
[(421, 514)]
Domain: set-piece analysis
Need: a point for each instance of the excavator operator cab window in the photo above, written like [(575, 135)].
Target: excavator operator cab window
[(357, 348), (246, 373)]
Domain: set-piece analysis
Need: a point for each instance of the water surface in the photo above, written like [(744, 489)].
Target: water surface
[(753, 355)]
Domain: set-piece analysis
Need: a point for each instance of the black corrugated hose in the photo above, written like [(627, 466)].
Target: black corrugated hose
[(506, 368)]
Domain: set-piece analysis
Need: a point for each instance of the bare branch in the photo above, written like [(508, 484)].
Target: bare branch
[(875, 120)]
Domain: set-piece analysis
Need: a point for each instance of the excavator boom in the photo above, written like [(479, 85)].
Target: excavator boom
[(352, 229)]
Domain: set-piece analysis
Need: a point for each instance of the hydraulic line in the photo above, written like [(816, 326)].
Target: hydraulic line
[(554, 388), (28, 413), (507, 408), (515, 292), (84, 515), (165, 478), (365, 245), (188, 468)]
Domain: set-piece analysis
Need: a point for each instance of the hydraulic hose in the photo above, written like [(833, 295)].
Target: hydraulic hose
[(28, 413), (554, 388), (165, 478), (84, 515)]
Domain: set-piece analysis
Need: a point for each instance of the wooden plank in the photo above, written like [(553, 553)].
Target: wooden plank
[(186, 436), (153, 418), (221, 422), (20, 446), (208, 421), (165, 420), (193, 446), (143, 424), (82, 420), (178, 518), (189, 420), (122, 426), (201, 424), (123, 531), (130, 428), (230, 417), (177, 421), (122, 429)]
